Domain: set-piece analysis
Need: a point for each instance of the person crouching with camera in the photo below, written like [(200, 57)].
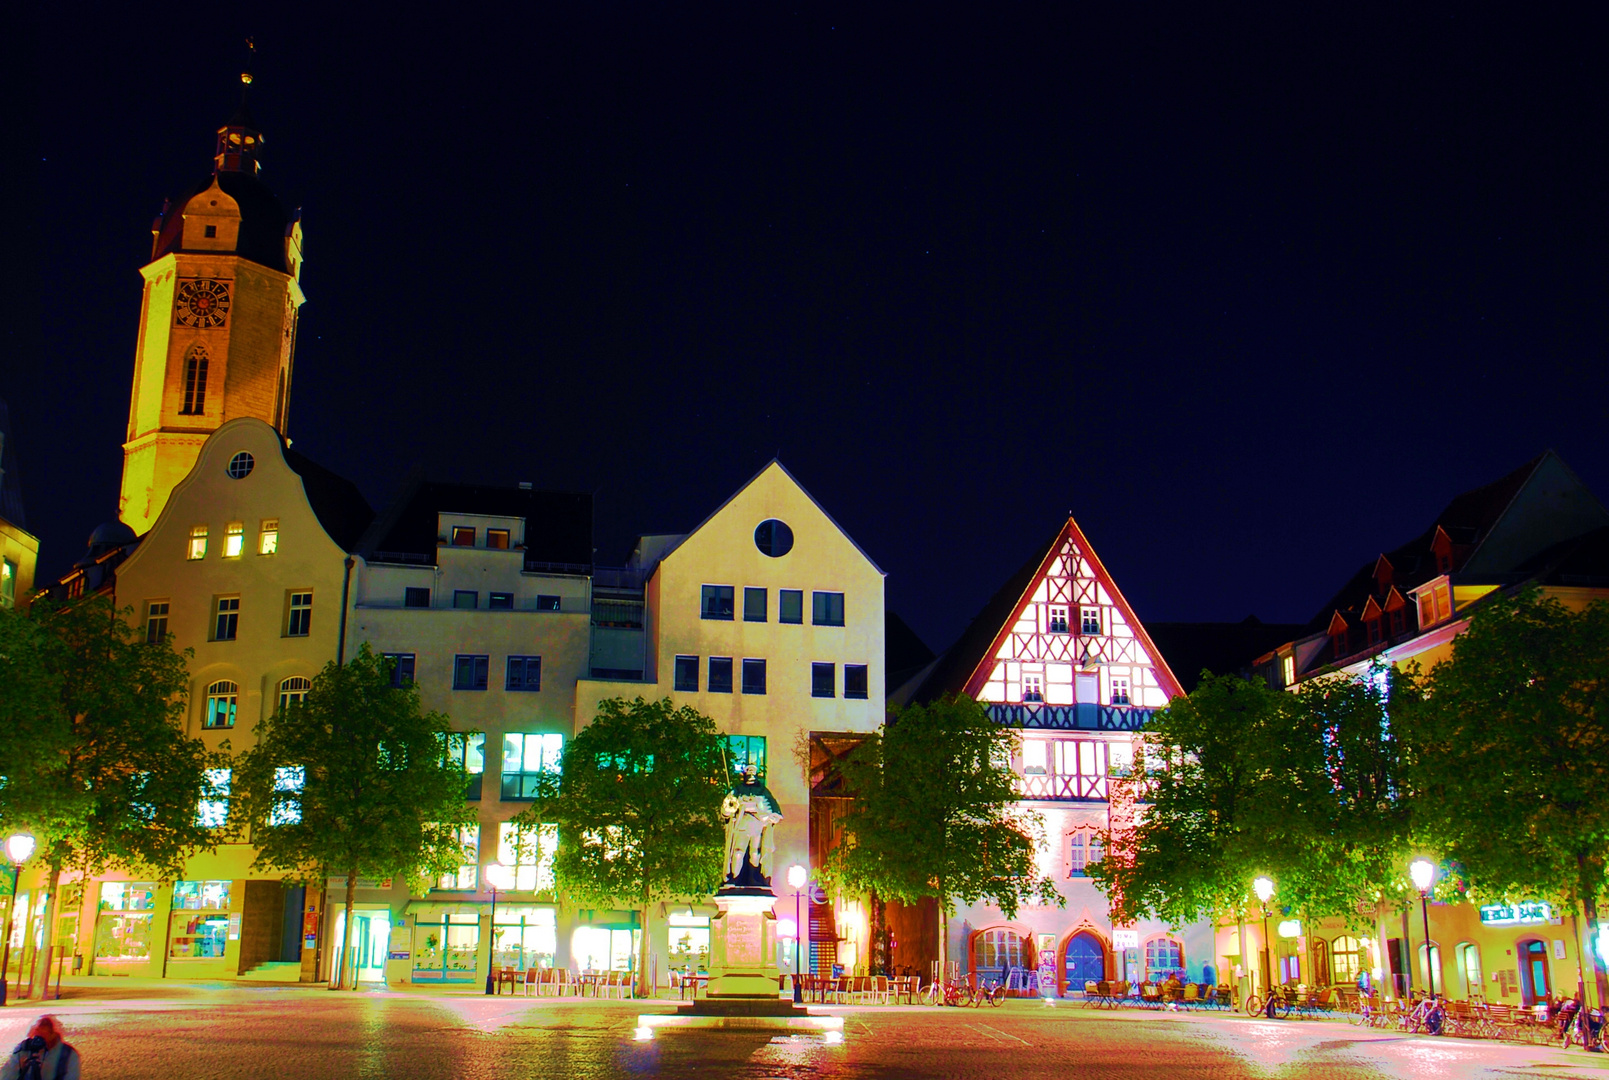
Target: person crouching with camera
[(42, 1055)]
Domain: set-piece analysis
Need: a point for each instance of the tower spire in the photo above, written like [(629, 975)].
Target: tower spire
[(239, 140)]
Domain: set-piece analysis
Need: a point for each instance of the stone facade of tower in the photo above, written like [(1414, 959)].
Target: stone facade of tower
[(218, 323)]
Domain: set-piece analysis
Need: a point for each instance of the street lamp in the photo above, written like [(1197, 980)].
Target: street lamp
[(498, 876), (1263, 886), (796, 878), (19, 848), (1423, 872)]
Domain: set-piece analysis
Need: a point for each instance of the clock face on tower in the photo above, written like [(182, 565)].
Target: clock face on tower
[(202, 302)]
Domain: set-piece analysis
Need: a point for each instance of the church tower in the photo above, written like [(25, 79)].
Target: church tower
[(218, 324)]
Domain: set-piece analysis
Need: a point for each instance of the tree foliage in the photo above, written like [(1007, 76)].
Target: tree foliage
[(637, 802), (1240, 780), (354, 780), (1508, 752), (934, 813)]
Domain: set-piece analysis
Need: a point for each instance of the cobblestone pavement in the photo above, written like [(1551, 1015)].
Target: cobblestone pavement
[(234, 1033)]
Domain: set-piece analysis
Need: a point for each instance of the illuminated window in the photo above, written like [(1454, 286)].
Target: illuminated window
[(1084, 849), (1090, 622), (1033, 688), (198, 542), (468, 748), (300, 622), (1347, 959), (500, 601), (212, 811), (823, 680), (547, 603), (790, 606), (529, 853), (524, 673), (753, 676), (223, 699), (268, 537), (754, 606), (1435, 604), (293, 690), (468, 868), (156, 620), (227, 618), (1033, 757), (720, 681), (855, 681), (1288, 664), (463, 536), (827, 609), (8, 583), (1162, 955), (287, 809), (497, 539), (687, 673), (470, 672), (195, 382), (745, 750), (234, 540), (1120, 691), (1469, 966), (526, 758), (1057, 623), (716, 602)]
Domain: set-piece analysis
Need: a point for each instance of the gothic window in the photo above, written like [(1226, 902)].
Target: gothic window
[(195, 381)]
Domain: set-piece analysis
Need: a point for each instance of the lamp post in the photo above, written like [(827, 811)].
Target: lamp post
[(1423, 872), (1263, 886), (497, 877), (796, 878), (19, 848)]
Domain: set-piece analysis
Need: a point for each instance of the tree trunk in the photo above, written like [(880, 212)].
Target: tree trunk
[(878, 960), (644, 989), (48, 935), (346, 932)]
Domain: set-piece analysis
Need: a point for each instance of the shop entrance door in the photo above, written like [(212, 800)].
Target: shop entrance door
[(1085, 962), (366, 949), (1533, 971)]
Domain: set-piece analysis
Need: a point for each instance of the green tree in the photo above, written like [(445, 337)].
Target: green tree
[(1508, 754), (107, 778), (355, 779), (637, 802), (933, 812)]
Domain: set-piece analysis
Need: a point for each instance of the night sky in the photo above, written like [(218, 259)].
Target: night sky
[(1252, 295)]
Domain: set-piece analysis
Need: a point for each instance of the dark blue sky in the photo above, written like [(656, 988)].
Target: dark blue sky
[(1252, 295)]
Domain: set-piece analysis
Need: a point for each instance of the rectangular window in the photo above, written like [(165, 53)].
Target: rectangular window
[(1396, 622), (156, 621), (227, 621), (268, 537), (1091, 621), (753, 676), (855, 681), (1086, 849), (1033, 688), (1373, 631), (497, 539), (468, 866), (223, 699), (468, 748), (1120, 691), (401, 667), (790, 605), (827, 608), (198, 542), (720, 675), (500, 601), (287, 808), (529, 854), (470, 672), (463, 536), (823, 680), (1034, 758), (234, 539), (526, 758), (8, 583), (1057, 623), (524, 673), (754, 605), (547, 603), (415, 597), (687, 673), (1288, 669), (717, 602), (745, 750), (466, 599), (212, 811), (300, 623)]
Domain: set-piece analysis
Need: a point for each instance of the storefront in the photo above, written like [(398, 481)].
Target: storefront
[(370, 941), (198, 929), (123, 928), (689, 940), (525, 936), (446, 939), (607, 942)]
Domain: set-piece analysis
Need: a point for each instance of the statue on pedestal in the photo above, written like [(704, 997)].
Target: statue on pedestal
[(751, 815)]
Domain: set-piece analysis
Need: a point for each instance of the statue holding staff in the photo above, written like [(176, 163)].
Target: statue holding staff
[(750, 814)]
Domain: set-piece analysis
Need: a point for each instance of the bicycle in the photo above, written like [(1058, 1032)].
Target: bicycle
[(954, 994), (1276, 1006), (992, 993), (1583, 1027)]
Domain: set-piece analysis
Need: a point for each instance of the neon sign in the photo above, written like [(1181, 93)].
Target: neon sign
[(1525, 912)]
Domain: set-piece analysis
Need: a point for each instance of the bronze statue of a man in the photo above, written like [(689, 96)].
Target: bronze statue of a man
[(751, 816)]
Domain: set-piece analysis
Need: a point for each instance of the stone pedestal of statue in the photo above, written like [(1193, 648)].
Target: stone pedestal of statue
[(743, 948)]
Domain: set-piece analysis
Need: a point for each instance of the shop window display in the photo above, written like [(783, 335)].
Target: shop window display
[(525, 937), (123, 926), (444, 948), (690, 941), (200, 927)]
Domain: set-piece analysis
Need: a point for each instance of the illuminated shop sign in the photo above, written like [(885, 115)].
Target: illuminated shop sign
[(1528, 911)]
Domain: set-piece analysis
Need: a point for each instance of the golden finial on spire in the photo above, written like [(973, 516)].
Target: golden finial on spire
[(251, 59)]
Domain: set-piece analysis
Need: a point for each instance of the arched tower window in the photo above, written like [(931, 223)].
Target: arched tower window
[(195, 381)]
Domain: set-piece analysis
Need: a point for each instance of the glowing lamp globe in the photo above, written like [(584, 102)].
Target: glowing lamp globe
[(1423, 872), (20, 846), (787, 928), (797, 875), (500, 876), (1264, 888)]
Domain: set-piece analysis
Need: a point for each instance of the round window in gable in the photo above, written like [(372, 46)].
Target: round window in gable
[(240, 465), (773, 538)]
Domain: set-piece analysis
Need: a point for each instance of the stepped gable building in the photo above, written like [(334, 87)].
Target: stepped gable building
[(1539, 524), (1059, 654), (19, 549), (218, 321)]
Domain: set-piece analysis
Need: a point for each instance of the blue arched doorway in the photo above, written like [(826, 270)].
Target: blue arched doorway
[(1083, 960)]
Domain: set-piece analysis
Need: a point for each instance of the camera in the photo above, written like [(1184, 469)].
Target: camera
[(31, 1045)]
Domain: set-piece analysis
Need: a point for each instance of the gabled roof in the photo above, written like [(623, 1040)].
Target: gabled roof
[(962, 668), (336, 501), (777, 462), (558, 524)]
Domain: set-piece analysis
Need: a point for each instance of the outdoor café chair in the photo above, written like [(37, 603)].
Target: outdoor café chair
[(1094, 994)]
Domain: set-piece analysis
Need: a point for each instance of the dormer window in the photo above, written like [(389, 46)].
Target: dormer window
[(463, 536), (212, 232), (1435, 603), (1375, 635), (1397, 622), (1288, 670)]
